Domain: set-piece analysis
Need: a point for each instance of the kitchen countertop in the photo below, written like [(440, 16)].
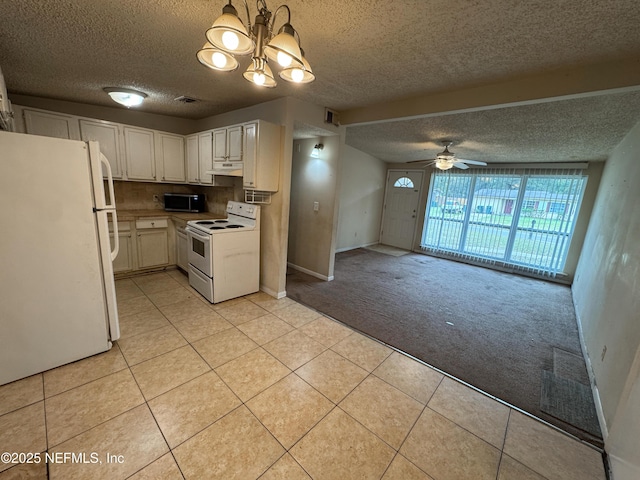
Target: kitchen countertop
[(130, 215)]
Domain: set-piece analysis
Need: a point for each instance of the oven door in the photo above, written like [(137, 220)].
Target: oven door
[(199, 251)]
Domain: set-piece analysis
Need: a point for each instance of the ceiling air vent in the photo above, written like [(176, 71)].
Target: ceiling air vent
[(185, 99)]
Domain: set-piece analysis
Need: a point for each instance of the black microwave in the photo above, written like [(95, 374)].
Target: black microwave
[(184, 202)]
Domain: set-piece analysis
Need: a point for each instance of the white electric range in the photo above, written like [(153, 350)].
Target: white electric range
[(224, 254)]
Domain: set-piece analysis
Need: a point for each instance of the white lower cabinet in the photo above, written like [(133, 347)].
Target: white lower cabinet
[(153, 242), (124, 261), (182, 258), (145, 244)]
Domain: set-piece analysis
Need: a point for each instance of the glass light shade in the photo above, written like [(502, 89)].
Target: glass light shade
[(262, 77), (298, 75), (283, 44), (230, 40), (126, 96), (228, 33), (216, 59), (284, 60), (444, 164)]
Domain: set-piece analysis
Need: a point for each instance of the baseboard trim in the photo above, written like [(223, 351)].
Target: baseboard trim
[(364, 245), (592, 377), (310, 272), (273, 293)]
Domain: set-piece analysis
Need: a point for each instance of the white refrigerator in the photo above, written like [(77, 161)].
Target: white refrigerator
[(57, 292)]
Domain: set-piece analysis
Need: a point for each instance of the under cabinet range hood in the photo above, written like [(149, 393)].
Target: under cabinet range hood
[(231, 169)]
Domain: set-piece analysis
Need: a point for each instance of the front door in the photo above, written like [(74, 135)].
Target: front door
[(401, 208)]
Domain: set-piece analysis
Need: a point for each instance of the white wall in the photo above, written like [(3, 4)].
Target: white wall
[(312, 233), (606, 293), (362, 183)]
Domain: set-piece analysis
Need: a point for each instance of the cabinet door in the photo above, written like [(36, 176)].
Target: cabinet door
[(181, 251), (205, 157), (170, 157), (220, 145), (234, 144), (153, 248), (249, 157), (140, 154), (51, 124), (261, 156), (124, 260), (108, 135), (193, 162)]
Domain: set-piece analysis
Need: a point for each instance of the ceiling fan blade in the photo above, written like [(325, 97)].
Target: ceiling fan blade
[(471, 162), (422, 161), (460, 165)]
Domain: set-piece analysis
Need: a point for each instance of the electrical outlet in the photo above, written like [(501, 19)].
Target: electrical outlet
[(156, 199), (316, 206)]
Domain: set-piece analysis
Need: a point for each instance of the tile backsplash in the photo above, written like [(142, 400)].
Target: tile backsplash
[(139, 195)]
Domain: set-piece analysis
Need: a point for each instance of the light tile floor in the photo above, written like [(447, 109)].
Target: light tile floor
[(264, 388)]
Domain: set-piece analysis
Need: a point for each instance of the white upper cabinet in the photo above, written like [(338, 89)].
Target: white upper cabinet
[(227, 144), (139, 154), (108, 136), (261, 156), (170, 157), (193, 159), (205, 157), (51, 124)]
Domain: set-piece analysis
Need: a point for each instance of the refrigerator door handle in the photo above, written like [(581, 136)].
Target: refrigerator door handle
[(97, 160), (112, 197), (116, 236)]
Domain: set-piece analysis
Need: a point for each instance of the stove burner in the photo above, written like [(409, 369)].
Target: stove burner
[(222, 221), (234, 226), (205, 222), (217, 228)]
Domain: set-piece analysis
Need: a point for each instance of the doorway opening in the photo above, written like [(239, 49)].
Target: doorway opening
[(401, 201)]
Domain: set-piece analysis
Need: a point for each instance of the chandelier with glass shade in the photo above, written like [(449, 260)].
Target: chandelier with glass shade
[(228, 37)]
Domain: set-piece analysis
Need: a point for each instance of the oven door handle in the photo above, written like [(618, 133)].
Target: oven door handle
[(198, 235)]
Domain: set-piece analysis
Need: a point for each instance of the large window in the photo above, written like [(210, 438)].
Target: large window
[(519, 220)]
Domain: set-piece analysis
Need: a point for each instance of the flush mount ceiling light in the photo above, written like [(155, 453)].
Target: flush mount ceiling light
[(126, 96), (228, 37)]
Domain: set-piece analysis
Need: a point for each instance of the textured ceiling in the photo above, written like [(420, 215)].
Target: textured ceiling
[(583, 129), (363, 53)]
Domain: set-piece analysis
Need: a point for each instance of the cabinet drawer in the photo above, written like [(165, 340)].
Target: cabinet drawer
[(152, 223), (122, 227)]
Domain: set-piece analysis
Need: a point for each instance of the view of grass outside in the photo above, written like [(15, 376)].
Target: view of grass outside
[(522, 220)]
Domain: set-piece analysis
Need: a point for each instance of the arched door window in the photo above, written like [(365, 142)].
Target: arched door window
[(403, 182)]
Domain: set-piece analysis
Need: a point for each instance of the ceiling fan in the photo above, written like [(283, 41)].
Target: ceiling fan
[(446, 159)]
